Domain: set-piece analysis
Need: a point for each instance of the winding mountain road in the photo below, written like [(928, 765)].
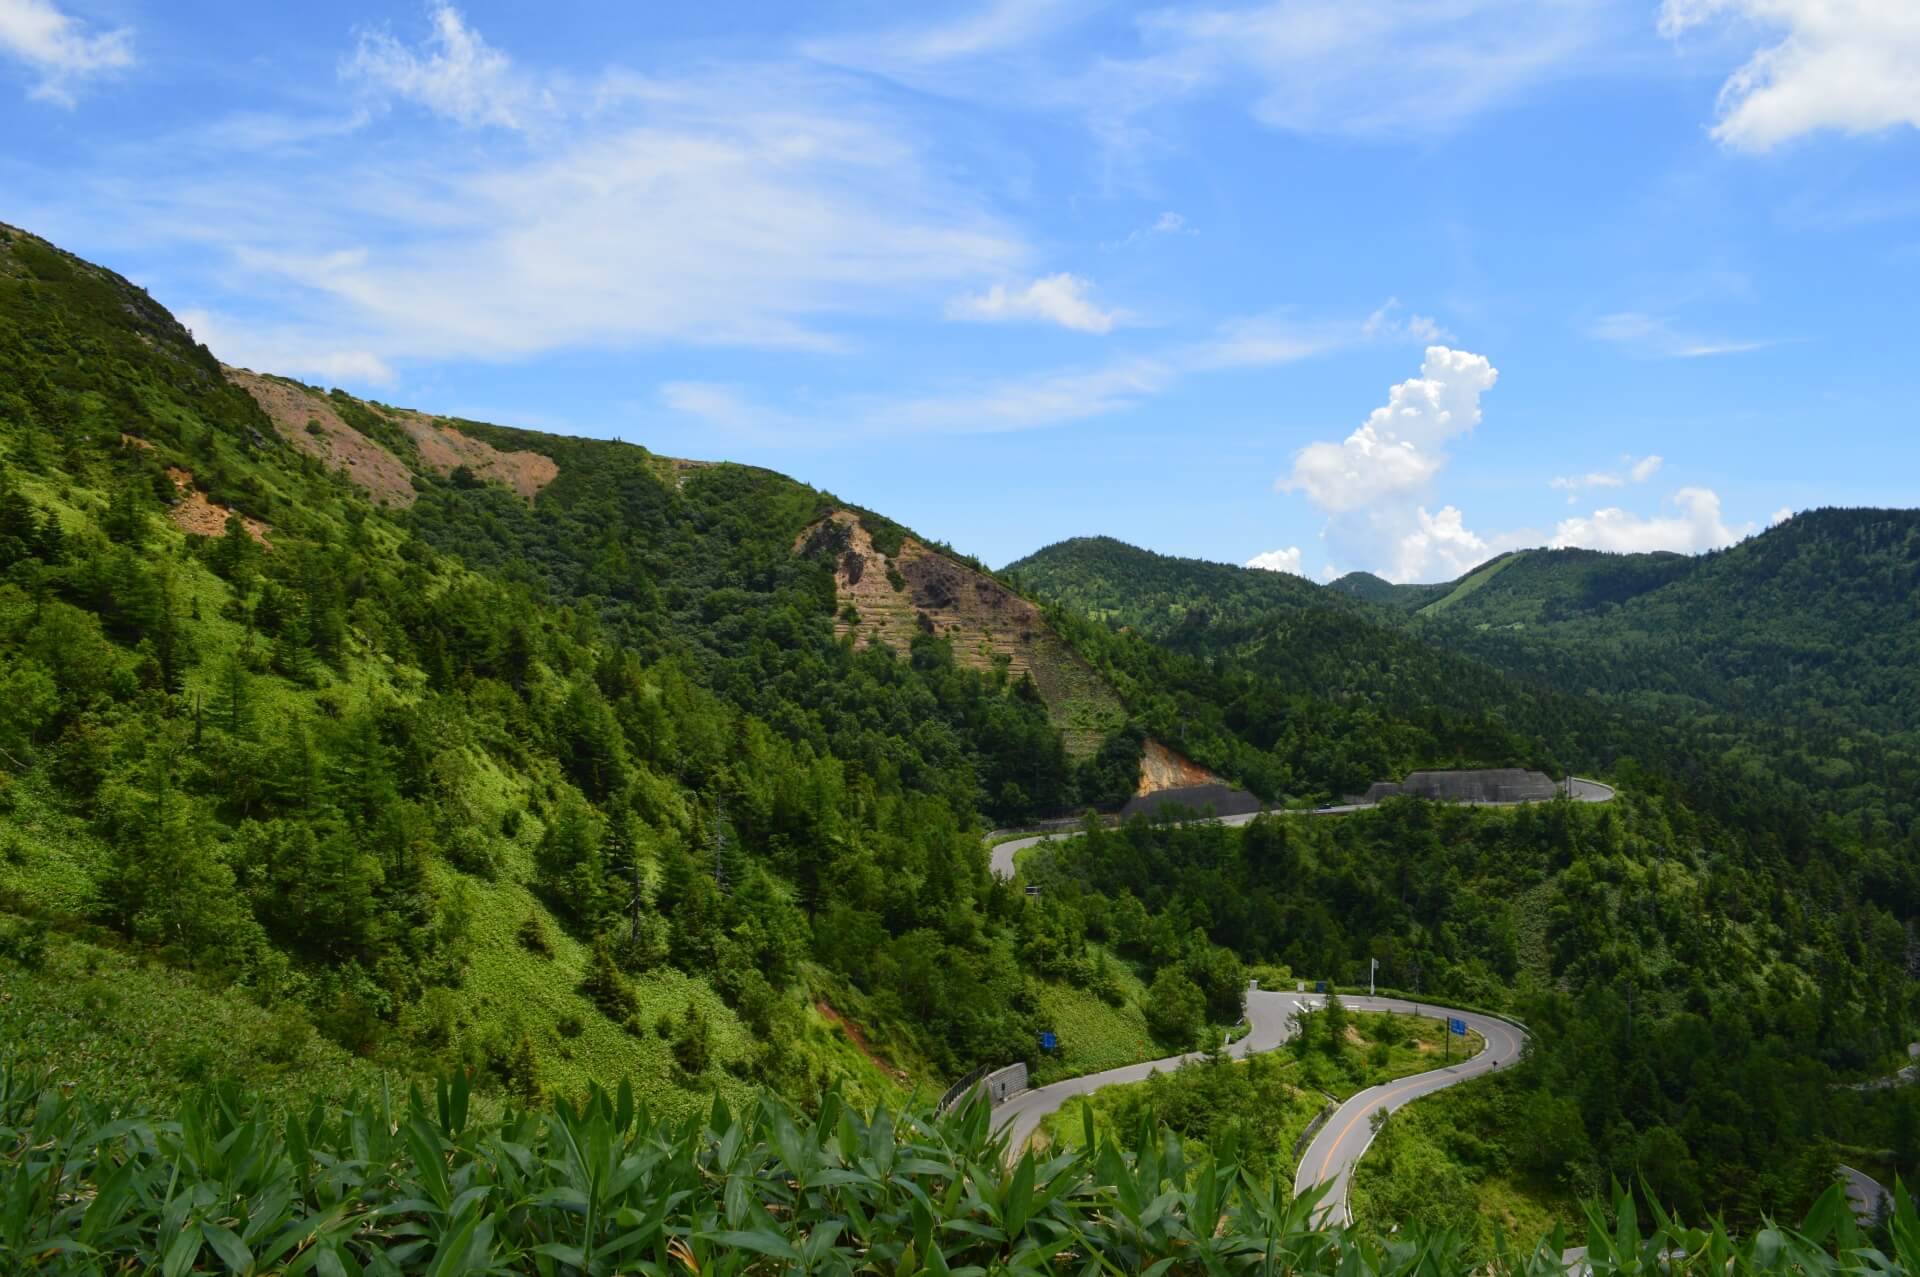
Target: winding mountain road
[(1338, 1146), (1001, 857), (1344, 1138)]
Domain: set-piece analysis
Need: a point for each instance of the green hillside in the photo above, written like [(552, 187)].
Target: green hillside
[(1814, 623), (340, 742), (449, 743)]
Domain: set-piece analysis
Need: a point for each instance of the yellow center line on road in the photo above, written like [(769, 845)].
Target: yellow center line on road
[(1410, 1083), (1326, 1159)]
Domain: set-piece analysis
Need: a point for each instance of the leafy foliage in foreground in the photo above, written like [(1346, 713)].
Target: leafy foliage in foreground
[(423, 1187)]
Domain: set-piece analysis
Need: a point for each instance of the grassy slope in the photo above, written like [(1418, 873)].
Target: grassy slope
[(1440, 1161)]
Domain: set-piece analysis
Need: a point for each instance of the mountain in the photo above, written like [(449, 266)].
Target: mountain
[(1814, 623), (1373, 589), (340, 740), (448, 742)]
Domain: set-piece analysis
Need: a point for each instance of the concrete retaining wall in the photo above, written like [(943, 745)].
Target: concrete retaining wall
[(1003, 1084)]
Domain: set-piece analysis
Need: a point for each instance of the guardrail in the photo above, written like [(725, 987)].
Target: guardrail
[(1002, 1084)]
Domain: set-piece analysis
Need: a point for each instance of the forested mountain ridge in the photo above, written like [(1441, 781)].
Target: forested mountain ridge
[(1815, 621), (465, 744)]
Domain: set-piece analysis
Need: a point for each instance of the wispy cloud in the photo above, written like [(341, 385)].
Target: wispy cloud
[(986, 30), (60, 48), (1046, 398), (1631, 471), (768, 206), (286, 349), (1061, 299), (455, 74), (1657, 336)]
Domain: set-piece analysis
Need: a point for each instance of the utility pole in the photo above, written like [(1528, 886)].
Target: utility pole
[(1371, 972)]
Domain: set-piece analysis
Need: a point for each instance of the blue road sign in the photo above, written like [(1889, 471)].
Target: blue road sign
[(1457, 1026), (1047, 1041), (1320, 986)]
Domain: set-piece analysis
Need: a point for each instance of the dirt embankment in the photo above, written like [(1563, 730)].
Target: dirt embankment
[(306, 420), (918, 590), (859, 1040), (196, 514), (444, 449), (1162, 769)]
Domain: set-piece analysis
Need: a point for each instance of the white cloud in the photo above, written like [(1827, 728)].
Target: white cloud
[(1850, 65), (1696, 525), (285, 350), (1287, 560), (1398, 449), (59, 47), (1656, 335), (1059, 299), (1632, 472), (1368, 67), (989, 30), (1440, 547), (1371, 484), (1386, 324), (751, 206), (1170, 224), (456, 74), (1780, 516)]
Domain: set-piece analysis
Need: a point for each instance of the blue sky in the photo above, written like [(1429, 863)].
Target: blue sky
[(1321, 284)]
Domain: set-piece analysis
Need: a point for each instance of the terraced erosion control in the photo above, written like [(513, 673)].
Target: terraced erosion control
[(917, 590)]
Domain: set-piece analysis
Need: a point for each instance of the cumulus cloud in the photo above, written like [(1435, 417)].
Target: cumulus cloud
[(1695, 525), (1780, 516), (1056, 299), (59, 47), (1632, 471), (1850, 65), (1399, 448), (456, 73), (1287, 560), (1372, 483)]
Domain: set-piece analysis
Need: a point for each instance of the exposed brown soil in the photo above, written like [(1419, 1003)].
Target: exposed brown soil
[(196, 514), (859, 1040), (384, 476), (134, 441), (444, 449), (920, 591), (1162, 769)]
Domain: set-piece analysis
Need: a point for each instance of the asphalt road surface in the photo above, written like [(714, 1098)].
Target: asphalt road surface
[(1866, 1193), (1337, 1148), (1001, 857)]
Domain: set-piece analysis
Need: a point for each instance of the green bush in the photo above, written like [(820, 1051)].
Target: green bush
[(425, 1185)]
